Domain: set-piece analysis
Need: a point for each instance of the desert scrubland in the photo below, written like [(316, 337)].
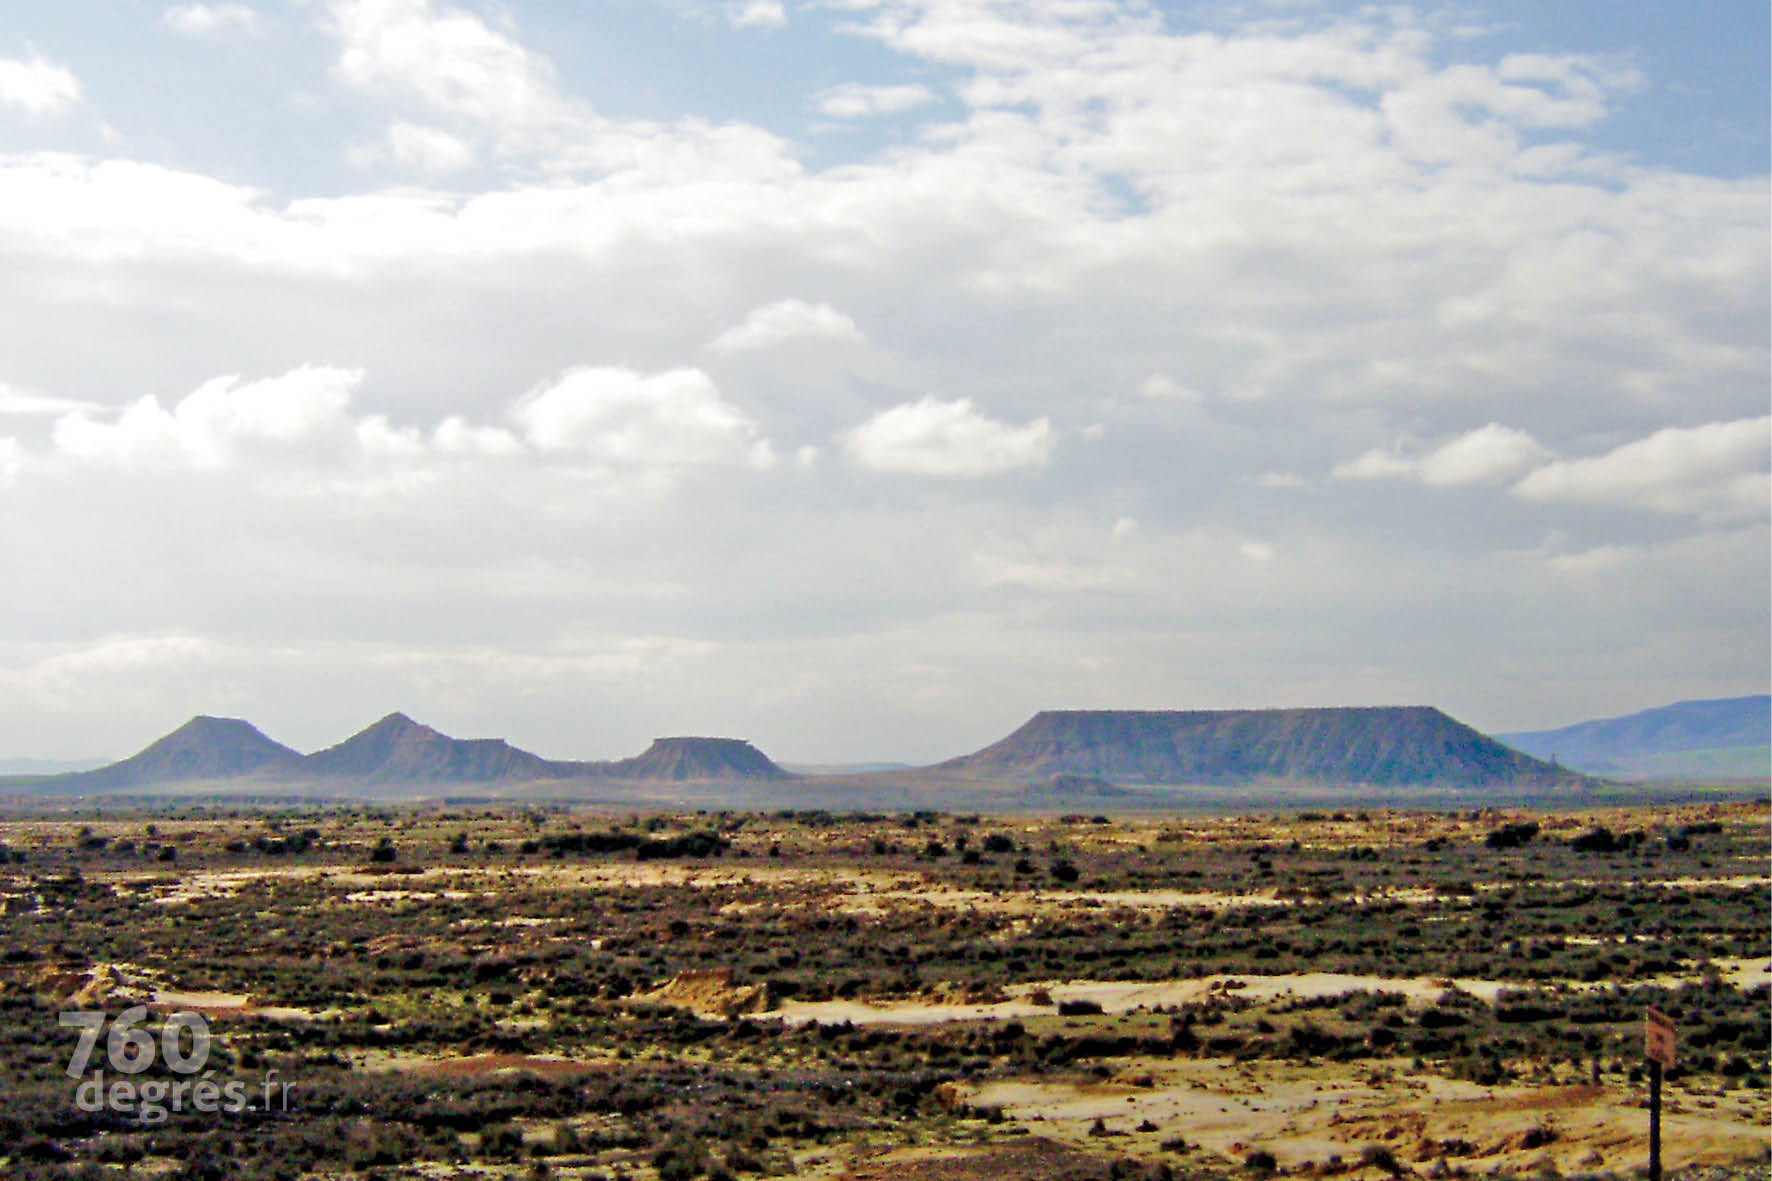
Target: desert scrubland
[(521, 991)]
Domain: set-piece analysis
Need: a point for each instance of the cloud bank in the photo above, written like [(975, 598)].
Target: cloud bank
[(1013, 357)]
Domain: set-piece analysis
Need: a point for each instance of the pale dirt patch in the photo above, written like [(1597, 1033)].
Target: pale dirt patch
[(216, 883), (119, 985), (398, 895), (1126, 997), (703, 876), (907, 1013), (1744, 973), (1041, 902), (1123, 997), (216, 1004), (179, 999), (1309, 1113), (478, 1065)]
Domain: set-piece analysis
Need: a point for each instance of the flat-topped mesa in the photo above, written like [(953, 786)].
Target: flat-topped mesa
[(397, 749), (698, 758), (1377, 745), (202, 748)]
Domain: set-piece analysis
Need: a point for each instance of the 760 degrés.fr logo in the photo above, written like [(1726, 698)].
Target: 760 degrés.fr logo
[(183, 1044), (182, 1048)]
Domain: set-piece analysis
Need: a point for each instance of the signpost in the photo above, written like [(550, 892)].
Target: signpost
[(1659, 1039)]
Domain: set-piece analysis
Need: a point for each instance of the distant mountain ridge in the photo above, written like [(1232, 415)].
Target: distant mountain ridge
[(396, 751), (1062, 757), (1374, 745), (1728, 736)]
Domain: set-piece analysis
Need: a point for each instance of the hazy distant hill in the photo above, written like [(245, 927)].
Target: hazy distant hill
[(399, 750), (698, 758), (1073, 790), (202, 748), (1391, 745), (1728, 737)]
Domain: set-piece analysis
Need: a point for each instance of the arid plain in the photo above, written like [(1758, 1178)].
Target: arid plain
[(549, 991)]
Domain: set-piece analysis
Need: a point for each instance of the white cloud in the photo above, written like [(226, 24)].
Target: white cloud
[(37, 86), (1280, 480), (1376, 464), (675, 418), (10, 460), (301, 424), (381, 439), (456, 436), (1607, 561), (219, 422), (1718, 469), (450, 62), (1161, 387), (24, 402), (758, 14), (429, 149), (996, 570), (1256, 551), (1124, 528), (930, 437), (784, 320), (123, 654), (209, 20), (123, 672), (853, 100), (1488, 455)]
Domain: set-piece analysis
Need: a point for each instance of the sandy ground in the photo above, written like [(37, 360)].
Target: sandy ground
[(480, 1065), (1122, 997), (212, 1004), (1312, 1113)]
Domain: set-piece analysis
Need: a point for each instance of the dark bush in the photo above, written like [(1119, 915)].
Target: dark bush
[(1377, 1156), (1512, 836)]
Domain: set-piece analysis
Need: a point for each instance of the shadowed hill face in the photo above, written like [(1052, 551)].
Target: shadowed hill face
[(1390, 746), (698, 758), (202, 748), (398, 749)]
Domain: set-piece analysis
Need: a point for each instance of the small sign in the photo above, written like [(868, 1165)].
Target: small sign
[(1659, 1038)]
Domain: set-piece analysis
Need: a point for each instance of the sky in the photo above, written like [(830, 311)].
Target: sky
[(859, 377)]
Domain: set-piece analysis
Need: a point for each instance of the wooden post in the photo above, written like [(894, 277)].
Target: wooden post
[(1659, 1040), (1654, 1120)]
